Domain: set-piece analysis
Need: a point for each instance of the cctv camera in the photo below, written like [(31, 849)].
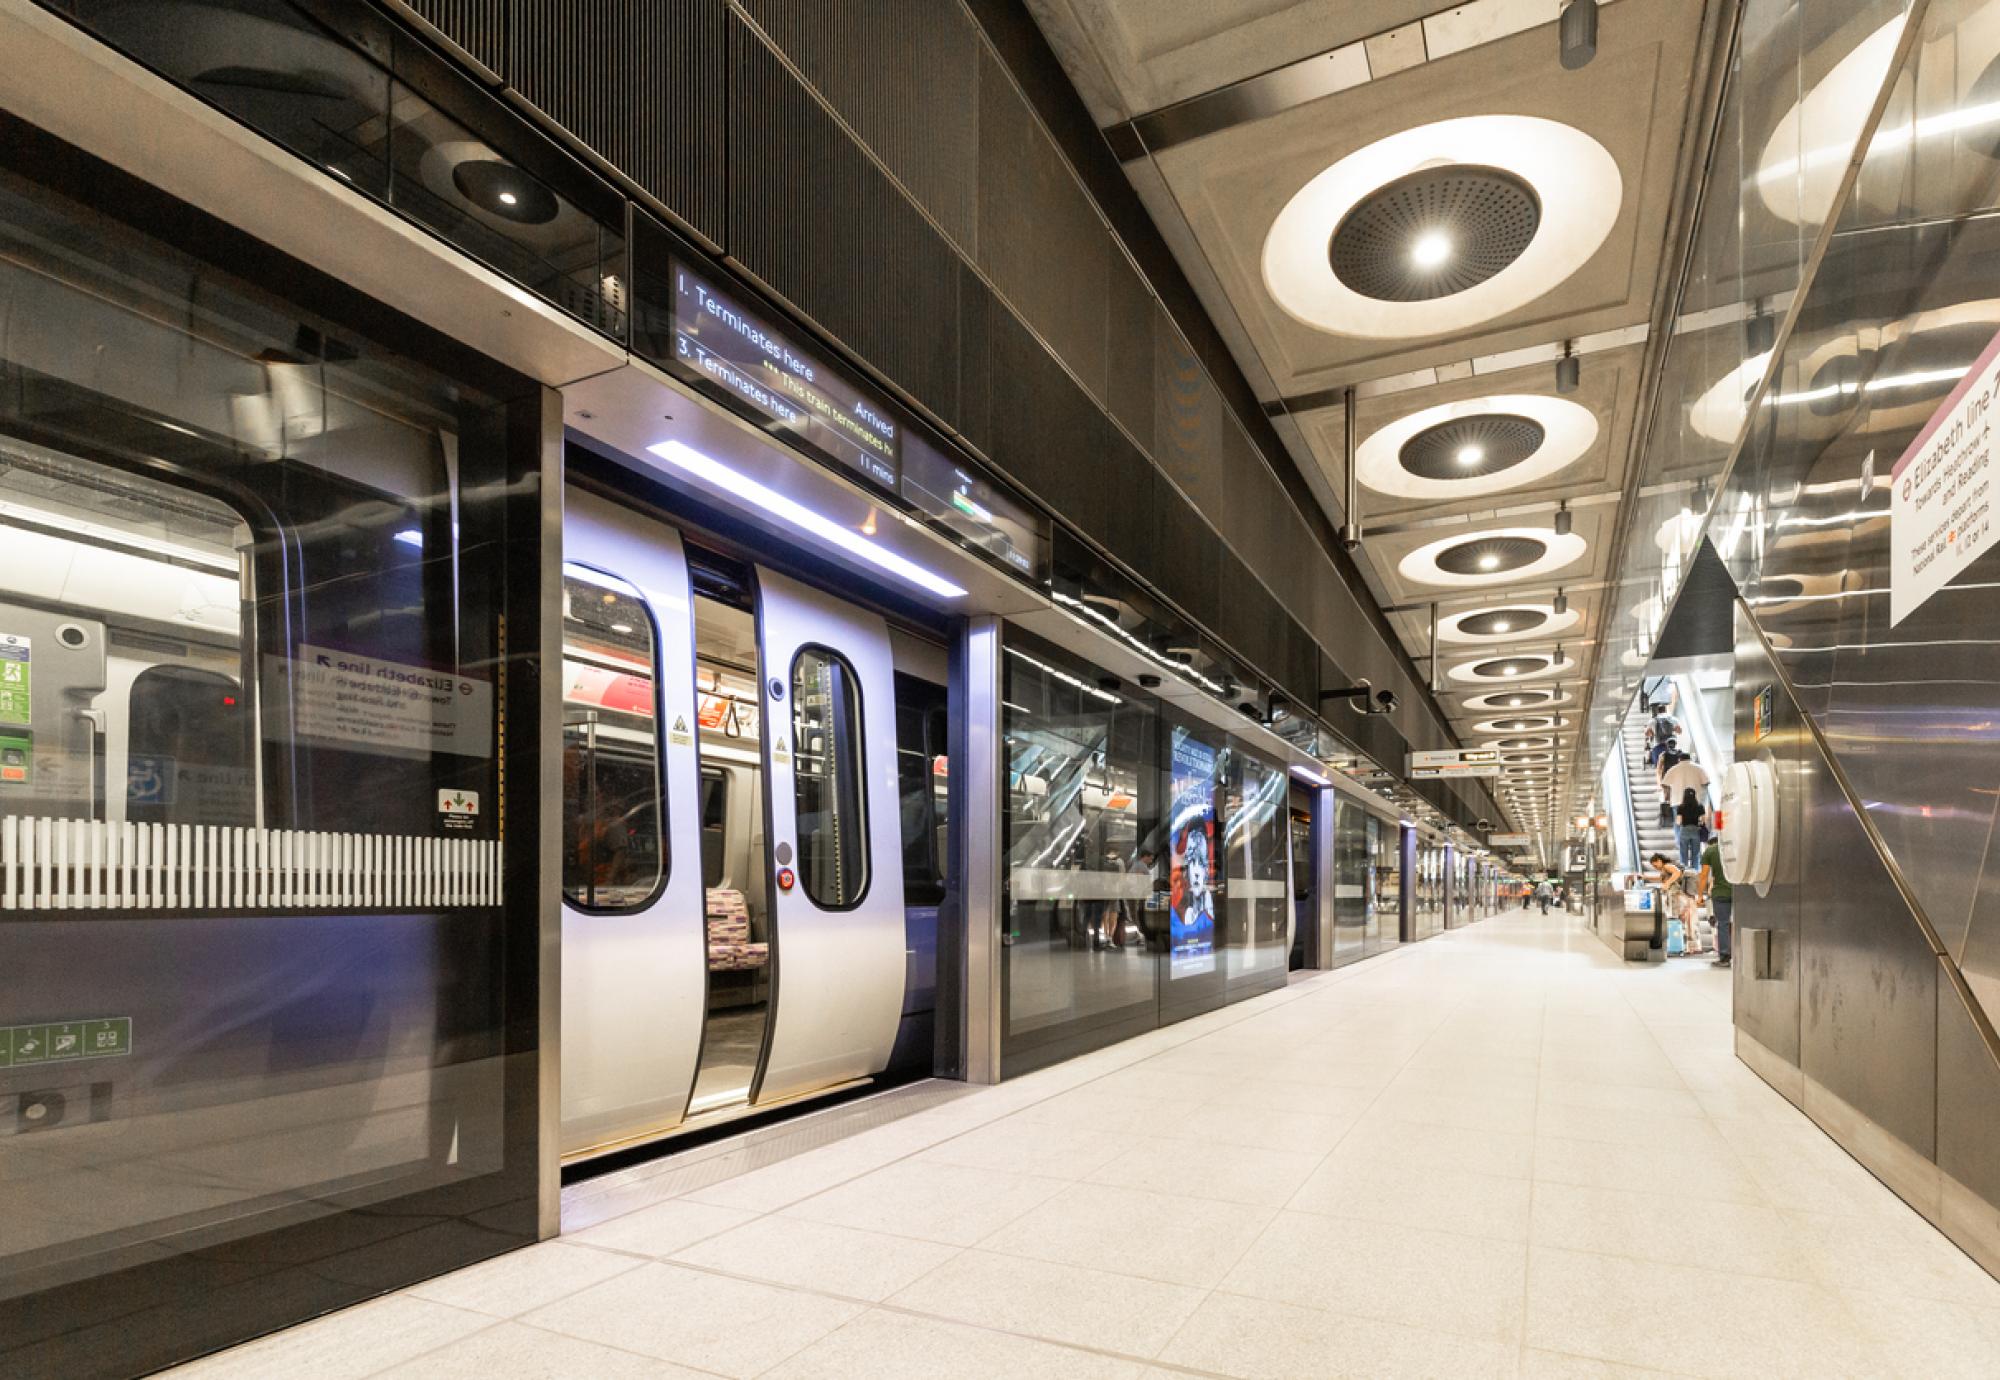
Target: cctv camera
[(1386, 701), (1484, 825)]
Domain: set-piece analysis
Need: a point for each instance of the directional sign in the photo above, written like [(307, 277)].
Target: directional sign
[(1508, 840), (1452, 757)]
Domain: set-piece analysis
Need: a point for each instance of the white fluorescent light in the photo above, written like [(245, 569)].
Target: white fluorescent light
[(410, 536), (1314, 777), (742, 486)]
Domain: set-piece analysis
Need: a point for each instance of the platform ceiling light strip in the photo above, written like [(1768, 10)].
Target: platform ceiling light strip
[(740, 485), (1112, 626), (1575, 182)]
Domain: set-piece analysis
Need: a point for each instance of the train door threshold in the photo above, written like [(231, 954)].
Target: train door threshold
[(599, 1189)]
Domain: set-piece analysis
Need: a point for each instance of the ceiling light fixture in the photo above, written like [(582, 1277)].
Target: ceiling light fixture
[(1503, 626), (1431, 249), (509, 199), (1489, 562)]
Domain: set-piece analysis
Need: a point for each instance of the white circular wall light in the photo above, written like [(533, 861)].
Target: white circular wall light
[(1574, 185)]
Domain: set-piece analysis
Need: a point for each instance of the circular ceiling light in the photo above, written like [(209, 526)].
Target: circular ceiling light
[(1476, 446), (503, 190), (1442, 227), (1434, 232), (1508, 669), (1506, 623), (1521, 723), (1493, 556), (1513, 744), (1512, 758), (1523, 697)]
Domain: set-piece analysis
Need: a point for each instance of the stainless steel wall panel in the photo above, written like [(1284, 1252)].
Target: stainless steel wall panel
[(1767, 1004), (1968, 1130), (1868, 993)]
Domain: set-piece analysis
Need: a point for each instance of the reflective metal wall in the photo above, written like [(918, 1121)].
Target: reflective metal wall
[(1838, 290)]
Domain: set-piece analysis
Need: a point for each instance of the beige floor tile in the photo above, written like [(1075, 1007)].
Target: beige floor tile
[(1511, 1112), (883, 1345), (1697, 1137), (1899, 1255), (1262, 1340), (529, 1353), (1553, 1365), (1018, 1145), (1441, 1200), (1927, 1339), (1661, 1225), (949, 1203), (1390, 1273), (1597, 1164), (1060, 1303), (1242, 1174), (347, 1345), (1112, 1113), (662, 1229), (1564, 1092), (853, 1263), (1263, 1128), (1402, 1148), (1315, 1099), (1174, 1238), (729, 1326), (509, 1285), (1696, 1321)]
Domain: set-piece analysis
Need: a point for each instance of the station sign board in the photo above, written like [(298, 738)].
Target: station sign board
[(1508, 840), (1434, 765)]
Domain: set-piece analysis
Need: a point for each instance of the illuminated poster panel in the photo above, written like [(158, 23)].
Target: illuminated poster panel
[(1191, 836)]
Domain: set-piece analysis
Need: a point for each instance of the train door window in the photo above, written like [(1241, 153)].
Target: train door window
[(188, 751), (614, 848), (714, 826), (923, 783), (826, 736)]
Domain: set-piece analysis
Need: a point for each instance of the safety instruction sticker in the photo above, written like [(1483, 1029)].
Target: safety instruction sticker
[(17, 704), (458, 809), (1940, 494), (678, 735), (61, 1040), (390, 708)]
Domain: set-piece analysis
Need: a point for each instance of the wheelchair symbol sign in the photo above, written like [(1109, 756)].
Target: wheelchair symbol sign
[(149, 780)]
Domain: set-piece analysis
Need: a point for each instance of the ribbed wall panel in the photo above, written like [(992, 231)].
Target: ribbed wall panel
[(642, 84), (902, 74), (814, 218), (478, 26)]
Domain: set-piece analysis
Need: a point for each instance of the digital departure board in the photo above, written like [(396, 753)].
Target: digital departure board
[(980, 515), (717, 336)]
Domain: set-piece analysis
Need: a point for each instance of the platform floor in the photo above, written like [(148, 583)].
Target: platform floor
[(1496, 1153)]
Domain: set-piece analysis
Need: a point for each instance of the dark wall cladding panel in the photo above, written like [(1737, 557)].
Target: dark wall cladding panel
[(1187, 420), (1040, 240), (1047, 435), (1190, 559), (814, 218), (640, 84), (478, 26), (1134, 490), (976, 308), (902, 75), (1129, 370)]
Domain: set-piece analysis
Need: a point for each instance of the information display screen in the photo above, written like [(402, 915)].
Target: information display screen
[(983, 517), (719, 337)]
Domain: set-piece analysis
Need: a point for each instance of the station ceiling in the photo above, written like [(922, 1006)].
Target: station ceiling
[(1425, 204)]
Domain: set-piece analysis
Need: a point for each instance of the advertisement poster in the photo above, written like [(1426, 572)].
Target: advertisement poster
[(1191, 837)]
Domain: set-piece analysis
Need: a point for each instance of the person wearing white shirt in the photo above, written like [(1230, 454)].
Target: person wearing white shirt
[(1686, 775)]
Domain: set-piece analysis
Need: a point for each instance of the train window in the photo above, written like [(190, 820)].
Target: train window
[(826, 737), (922, 782), (614, 843), (188, 755), (714, 826)]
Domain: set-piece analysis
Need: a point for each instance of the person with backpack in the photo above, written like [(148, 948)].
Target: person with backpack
[(1545, 892)]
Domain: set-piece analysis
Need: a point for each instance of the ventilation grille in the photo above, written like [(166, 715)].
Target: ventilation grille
[(1472, 447), (1491, 555), (1487, 218)]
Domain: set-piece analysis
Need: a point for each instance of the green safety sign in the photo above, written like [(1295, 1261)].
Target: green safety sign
[(16, 695), (61, 1040)]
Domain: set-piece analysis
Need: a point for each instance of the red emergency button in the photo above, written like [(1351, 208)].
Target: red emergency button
[(785, 879)]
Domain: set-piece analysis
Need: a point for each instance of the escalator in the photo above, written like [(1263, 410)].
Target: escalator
[(1644, 790)]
